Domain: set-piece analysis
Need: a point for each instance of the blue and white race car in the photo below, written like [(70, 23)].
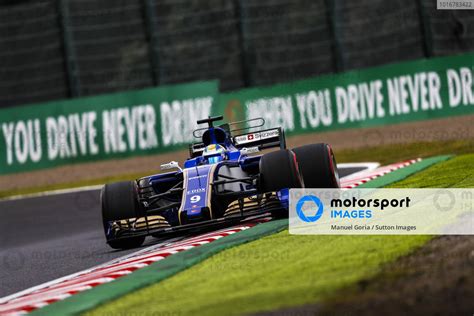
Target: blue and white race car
[(224, 181)]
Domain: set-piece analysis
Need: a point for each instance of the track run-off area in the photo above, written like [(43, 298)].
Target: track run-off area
[(58, 236)]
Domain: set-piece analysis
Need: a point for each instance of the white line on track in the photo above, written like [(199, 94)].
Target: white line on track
[(367, 165), (52, 192)]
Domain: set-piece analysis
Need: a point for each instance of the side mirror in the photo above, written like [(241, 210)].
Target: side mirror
[(170, 165)]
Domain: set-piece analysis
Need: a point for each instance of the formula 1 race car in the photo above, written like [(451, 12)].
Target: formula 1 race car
[(220, 184)]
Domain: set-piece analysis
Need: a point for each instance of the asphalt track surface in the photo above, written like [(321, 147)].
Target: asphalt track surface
[(48, 237)]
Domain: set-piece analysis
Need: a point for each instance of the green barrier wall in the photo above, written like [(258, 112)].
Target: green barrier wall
[(162, 119), (108, 126), (417, 90)]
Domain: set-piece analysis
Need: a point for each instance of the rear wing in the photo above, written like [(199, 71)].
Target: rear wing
[(269, 138)]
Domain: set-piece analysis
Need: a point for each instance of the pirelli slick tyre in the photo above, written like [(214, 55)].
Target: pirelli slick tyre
[(317, 166), (279, 170), (120, 202)]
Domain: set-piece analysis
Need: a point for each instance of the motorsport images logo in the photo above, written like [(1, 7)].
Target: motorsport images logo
[(318, 206), (391, 211), (346, 208)]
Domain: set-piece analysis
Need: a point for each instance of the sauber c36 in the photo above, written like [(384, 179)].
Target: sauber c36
[(224, 181)]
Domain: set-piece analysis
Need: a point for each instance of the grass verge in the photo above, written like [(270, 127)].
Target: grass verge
[(383, 154), (457, 173), (285, 270)]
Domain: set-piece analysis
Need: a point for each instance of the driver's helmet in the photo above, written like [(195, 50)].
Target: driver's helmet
[(214, 153)]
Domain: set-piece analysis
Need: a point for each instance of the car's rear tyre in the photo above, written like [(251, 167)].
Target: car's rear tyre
[(279, 170), (317, 166), (119, 202)]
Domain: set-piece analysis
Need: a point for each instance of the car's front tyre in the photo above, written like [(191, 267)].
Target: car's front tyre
[(120, 202)]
